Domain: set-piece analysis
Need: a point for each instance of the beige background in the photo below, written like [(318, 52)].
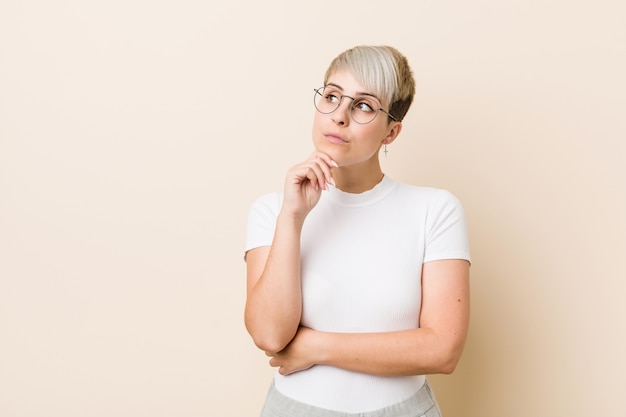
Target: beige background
[(135, 134)]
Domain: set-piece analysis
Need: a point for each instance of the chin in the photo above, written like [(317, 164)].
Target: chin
[(330, 150)]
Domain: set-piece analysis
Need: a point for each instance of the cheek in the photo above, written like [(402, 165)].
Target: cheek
[(318, 118), (373, 134), (318, 123)]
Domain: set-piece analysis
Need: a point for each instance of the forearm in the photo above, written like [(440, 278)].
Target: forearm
[(410, 352), (274, 304), (435, 347)]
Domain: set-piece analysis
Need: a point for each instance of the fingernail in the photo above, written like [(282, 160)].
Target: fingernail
[(335, 164)]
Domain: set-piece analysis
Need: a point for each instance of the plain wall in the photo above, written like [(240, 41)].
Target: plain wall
[(135, 134)]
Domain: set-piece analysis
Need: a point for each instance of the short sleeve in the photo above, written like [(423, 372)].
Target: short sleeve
[(262, 221), (446, 229)]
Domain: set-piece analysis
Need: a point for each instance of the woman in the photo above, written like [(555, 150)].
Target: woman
[(357, 285)]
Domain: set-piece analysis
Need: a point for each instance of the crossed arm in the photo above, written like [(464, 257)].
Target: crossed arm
[(435, 347)]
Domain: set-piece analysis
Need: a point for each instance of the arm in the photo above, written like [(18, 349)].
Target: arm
[(274, 299), (435, 347)]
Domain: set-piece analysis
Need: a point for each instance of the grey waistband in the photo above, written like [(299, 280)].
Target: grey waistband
[(422, 403)]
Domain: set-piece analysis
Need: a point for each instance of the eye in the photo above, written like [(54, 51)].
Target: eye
[(332, 96), (365, 105)]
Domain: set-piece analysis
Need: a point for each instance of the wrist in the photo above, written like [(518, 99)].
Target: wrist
[(288, 218), (320, 345)]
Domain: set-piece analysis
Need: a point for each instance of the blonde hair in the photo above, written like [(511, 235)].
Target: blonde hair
[(381, 69)]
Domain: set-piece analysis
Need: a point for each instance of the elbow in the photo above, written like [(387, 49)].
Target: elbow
[(269, 343), (448, 362), (265, 338), (449, 366), (445, 359)]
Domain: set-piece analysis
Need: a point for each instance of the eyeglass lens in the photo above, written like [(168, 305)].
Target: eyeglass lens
[(362, 109)]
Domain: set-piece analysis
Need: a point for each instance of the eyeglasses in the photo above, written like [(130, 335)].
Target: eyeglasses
[(363, 109)]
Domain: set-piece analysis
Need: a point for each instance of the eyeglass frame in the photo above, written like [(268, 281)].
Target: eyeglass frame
[(317, 92)]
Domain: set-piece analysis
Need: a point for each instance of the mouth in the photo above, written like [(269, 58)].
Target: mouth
[(332, 138)]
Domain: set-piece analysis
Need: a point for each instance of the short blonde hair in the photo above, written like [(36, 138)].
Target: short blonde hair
[(382, 69)]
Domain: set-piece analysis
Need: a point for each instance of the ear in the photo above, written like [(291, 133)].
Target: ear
[(393, 133)]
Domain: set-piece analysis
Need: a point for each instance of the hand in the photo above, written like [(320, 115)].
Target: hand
[(305, 182), (297, 356)]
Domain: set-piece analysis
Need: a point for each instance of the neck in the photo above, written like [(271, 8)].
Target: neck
[(357, 180)]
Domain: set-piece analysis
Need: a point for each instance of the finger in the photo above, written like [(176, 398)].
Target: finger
[(321, 155), (330, 161), (301, 176), (316, 169), (324, 172), (316, 175), (326, 164)]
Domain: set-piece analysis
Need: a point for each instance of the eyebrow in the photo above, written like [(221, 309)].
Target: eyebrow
[(358, 93)]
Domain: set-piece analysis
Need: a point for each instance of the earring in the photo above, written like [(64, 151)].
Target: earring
[(385, 149)]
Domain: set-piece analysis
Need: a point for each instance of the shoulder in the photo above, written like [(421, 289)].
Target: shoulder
[(268, 203), (433, 197), (262, 220)]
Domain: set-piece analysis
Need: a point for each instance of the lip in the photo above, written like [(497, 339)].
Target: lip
[(333, 138)]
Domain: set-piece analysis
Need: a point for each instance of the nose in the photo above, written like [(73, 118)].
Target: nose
[(341, 116)]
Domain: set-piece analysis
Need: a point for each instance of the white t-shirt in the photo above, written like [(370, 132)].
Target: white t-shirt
[(361, 264)]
